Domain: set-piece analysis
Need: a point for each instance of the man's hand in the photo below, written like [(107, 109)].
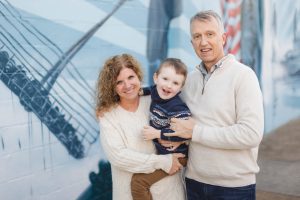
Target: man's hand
[(183, 128), (150, 133), (176, 166)]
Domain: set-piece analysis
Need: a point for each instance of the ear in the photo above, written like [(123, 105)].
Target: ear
[(155, 77), (224, 38)]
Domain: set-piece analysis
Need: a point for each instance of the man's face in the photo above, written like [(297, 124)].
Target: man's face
[(208, 41)]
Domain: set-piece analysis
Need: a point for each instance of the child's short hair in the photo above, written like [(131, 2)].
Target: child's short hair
[(177, 64)]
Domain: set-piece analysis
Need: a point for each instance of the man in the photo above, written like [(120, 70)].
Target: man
[(226, 103)]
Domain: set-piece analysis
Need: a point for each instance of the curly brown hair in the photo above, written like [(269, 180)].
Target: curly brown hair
[(106, 96)]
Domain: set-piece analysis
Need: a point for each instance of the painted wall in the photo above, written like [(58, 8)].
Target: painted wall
[(52, 51), (280, 66)]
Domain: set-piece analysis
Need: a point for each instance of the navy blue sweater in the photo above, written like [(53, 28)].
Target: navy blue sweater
[(161, 112)]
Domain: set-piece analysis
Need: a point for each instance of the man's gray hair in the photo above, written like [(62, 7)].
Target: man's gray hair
[(208, 15)]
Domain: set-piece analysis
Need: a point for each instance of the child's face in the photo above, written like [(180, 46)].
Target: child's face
[(168, 83)]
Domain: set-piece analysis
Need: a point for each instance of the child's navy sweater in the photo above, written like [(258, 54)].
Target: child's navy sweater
[(161, 112)]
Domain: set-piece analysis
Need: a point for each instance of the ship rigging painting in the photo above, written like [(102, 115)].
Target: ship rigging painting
[(35, 77)]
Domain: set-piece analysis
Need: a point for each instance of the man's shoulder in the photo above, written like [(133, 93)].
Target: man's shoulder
[(195, 73), (246, 70), (239, 67)]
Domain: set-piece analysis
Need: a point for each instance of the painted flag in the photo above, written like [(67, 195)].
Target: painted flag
[(231, 11)]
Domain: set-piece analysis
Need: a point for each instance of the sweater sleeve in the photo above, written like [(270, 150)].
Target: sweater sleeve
[(125, 158), (247, 132)]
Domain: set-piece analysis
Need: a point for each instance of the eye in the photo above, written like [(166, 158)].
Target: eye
[(165, 78), (210, 34), (119, 82), (131, 77), (175, 83), (196, 37)]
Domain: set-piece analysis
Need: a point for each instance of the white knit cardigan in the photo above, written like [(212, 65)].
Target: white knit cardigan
[(128, 153)]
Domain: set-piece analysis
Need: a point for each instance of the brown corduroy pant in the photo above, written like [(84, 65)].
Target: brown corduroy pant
[(141, 183)]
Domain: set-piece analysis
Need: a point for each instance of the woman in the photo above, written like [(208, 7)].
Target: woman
[(123, 115)]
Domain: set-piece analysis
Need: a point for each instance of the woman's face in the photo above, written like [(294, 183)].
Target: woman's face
[(128, 85)]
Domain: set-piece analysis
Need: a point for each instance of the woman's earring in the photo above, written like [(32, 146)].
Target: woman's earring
[(141, 92)]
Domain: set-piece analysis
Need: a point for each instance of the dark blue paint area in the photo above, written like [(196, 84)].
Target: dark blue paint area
[(101, 184)]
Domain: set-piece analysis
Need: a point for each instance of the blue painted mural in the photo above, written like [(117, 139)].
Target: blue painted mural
[(280, 73), (52, 51)]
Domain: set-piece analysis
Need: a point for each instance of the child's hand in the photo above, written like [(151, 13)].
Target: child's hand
[(150, 133)]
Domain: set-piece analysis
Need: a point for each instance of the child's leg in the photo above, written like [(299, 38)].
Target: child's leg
[(141, 183)]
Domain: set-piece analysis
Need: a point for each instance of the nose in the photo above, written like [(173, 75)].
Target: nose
[(203, 41), (126, 84), (169, 84)]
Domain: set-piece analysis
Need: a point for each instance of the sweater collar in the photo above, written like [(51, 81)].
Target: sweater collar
[(219, 64)]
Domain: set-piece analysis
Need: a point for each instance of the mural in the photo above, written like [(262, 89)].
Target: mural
[(160, 15), (30, 74), (35, 94), (280, 71), (50, 56)]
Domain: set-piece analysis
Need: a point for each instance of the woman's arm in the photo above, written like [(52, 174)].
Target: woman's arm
[(129, 159)]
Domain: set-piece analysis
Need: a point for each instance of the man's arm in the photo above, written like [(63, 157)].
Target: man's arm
[(182, 128), (150, 133), (244, 134)]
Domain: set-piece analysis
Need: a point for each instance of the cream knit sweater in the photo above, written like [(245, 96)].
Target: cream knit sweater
[(128, 153), (230, 122)]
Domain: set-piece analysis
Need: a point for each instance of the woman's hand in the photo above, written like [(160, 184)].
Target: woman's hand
[(150, 133), (176, 166)]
